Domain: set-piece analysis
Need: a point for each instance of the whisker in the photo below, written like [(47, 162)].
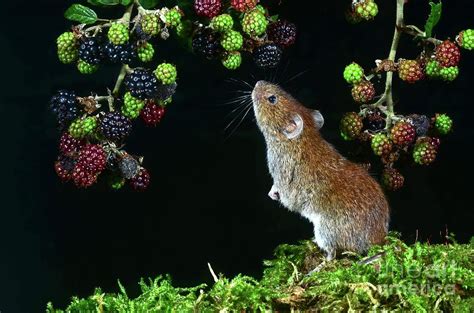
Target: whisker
[(241, 120), (240, 109), (296, 76)]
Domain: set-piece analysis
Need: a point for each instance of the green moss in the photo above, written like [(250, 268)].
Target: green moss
[(399, 277)]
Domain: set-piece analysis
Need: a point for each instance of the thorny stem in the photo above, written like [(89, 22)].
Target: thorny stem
[(123, 71)]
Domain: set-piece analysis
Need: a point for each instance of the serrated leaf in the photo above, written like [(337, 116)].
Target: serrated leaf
[(149, 4), (433, 18), (81, 14)]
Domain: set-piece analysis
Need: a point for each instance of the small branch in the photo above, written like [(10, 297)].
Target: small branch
[(214, 276), (123, 71)]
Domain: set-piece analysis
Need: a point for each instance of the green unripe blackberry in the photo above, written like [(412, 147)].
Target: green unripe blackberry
[(366, 9), (166, 73), (254, 23), (353, 73), (86, 68), (232, 40), (146, 52), (222, 23), (67, 48), (132, 106), (118, 34), (424, 152), (380, 144), (117, 182), (150, 24), (432, 69), (449, 73), (83, 127), (260, 8), (173, 17), (466, 39), (232, 60), (351, 125), (443, 123)]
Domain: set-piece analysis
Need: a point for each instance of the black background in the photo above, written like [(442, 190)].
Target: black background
[(208, 199)]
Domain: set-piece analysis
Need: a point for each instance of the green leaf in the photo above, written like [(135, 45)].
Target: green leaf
[(126, 2), (433, 18), (274, 18), (149, 4), (104, 2), (81, 14)]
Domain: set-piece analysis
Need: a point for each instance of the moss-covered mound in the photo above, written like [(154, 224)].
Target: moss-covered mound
[(399, 277)]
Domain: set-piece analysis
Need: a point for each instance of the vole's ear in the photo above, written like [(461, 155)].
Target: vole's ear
[(294, 127), (318, 119)]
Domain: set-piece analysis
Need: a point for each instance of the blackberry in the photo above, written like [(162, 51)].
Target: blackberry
[(448, 54), (114, 126), (90, 51), (350, 125), (125, 54), (254, 23), (81, 177), (222, 23), (67, 47), (142, 84), (232, 60), (243, 5), (64, 167), (85, 68), (443, 123), (116, 182), (132, 106), (173, 17), (366, 9), (421, 124), (267, 56), (166, 73), (392, 179), (363, 92), (152, 113), (353, 73), (92, 158), (128, 166), (83, 127), (282, 33), (64, 104), (150, 24), (146, 52), (374, 121), (206, 43), (424, 152), (141, 181), (465, 39), (403, 133), (166, 91), (70, 146), (381, 145), (432, 69), (207, 8), (410, 71), (449, 73), (118, 34), (232, 40)]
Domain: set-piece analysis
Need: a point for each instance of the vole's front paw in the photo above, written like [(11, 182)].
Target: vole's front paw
[(274, 194)]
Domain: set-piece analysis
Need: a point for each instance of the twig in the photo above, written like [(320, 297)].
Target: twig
[(214, 276), (123, 71)]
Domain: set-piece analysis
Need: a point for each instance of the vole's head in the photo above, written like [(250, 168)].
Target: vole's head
[(279, 115)]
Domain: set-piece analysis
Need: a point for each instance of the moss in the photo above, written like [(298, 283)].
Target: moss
[(393, 277)]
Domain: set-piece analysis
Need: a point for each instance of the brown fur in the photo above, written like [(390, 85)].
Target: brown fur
[(345, 204)]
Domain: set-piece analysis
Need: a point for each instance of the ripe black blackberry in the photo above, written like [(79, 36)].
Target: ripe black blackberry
[(125, 54), (64, 104), (206, 42), (166, 91), (142, 84), (421, 122), (267, 56), (90, 51), (141, 181), (114, 126), (374, 121), (282, 33), (128, 166)]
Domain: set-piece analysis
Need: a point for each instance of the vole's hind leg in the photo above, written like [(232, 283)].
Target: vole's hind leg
[(274, 194), (330, 255)]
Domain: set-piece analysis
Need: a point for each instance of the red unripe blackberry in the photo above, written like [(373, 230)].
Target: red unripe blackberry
[(363, 92), (92, 158), (448, 54), (267, 55), (351, 125), (114, 126), (207, 8), (152, 113), (69, 145), (425, 150), (82, 177), (282, 33), (243, 5), (392, 179), (63, 167), (403, 133), (141, 181), (410, 71)]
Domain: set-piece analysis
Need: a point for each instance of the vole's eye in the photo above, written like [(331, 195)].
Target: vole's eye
[(272, 99)]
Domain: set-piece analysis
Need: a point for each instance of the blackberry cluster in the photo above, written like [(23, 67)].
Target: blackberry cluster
[(114, 126), (126, 53), (267, 56)]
